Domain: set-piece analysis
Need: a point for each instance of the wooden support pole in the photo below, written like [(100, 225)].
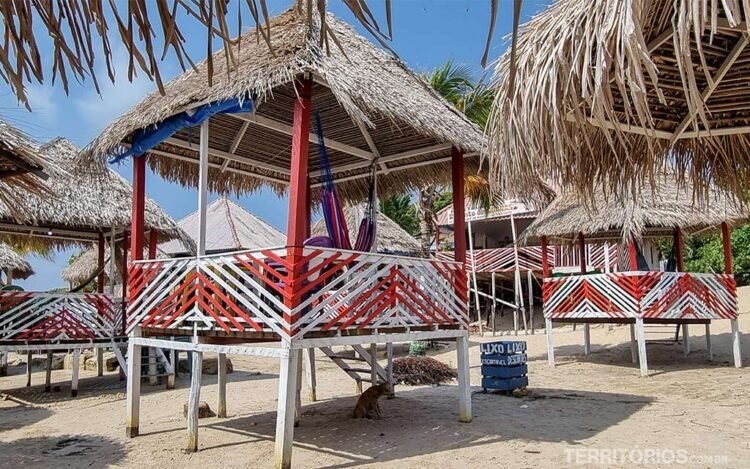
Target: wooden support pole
[(550, 343), (530, 287), (29, 358), (100, 280), (582, 253), (472, 262), (736, 345), (586, 339), (727, 242), (285, 412), (709, 350), (99, 361), (174, 358), (153, 380), (48, 372), (679, 249), (389, 369), (125, 276), (459, 216), (309, 357), (545, 257), (464, 380), (4, 364), (221, 407), (75, 372), (298, 390), (641, 335), (202, 188), (194, 401), (633, 345), (153, 241), (685, 339), (298, 181), (373, 364), (139, 203), (494, 303), (133, 388), (517, 280)]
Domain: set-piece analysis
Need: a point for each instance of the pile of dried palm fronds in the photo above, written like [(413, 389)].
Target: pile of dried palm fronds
[(414, 371)]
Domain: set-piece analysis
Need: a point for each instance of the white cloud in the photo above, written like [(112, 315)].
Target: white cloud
[(42, 101)]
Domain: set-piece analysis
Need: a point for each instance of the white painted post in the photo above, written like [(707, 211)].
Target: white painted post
[(641, 335), (75, 371), (494, 304), (29, 358), (309, 359), (685, 339), (633, 345), (99, 361), (172, 377), (389, 369), (464, 379), (474, 279), (203, 188), (133, 387), (298, 390), (48, 372), (586, 339), (285, 412), (736, 345), (550, 343), (194, 401), (708, 343), (530, 286), (221, 408), (153, 380)]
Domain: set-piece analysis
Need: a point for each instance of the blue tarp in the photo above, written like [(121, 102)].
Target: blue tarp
[(147, 138)]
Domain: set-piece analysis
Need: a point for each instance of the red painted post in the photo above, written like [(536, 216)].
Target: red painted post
[(152, 242), (125, 239), (308, 213), (139, 199), (582, 252), (299, 195), (545, 259), (679, 249), (100, 265), (459, 218), (633, 254), (727, 240)]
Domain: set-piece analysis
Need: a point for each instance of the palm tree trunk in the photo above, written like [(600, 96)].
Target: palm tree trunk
[(426, 217)]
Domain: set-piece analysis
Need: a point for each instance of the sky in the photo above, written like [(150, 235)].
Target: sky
[(425, 35)]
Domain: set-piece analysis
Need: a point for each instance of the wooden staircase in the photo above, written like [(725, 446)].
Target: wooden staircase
[(358, 364)]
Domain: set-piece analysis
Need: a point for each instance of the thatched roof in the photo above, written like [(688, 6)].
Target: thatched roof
[(391, 238), (83, 206), (612, 92), (229, 228), (651, 214), (373, 109), (10, 260)]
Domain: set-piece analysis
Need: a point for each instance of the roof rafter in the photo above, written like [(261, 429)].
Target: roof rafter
[(235, 144), (228, 156)]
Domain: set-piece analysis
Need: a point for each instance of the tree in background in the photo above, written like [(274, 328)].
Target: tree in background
[(400, 209)]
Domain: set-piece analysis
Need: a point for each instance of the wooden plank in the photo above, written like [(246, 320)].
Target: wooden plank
[(221, 407), (193, 401), (377, 338), (285, 412), (227, 349), (464, 383), (75, 372)]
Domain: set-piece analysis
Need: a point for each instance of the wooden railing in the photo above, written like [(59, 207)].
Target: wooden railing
[(55, 317), (649, 295), (291, 292)]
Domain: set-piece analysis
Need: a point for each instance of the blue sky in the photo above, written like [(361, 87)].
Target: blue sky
[(426, 34)]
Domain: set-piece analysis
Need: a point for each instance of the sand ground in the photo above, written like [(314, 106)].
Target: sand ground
[(588, 407)]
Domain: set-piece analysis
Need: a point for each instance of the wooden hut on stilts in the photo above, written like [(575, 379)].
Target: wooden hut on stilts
[(376, 123), (71, 210), (643, 291)]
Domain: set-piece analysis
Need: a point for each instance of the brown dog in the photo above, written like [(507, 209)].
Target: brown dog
[(367, 404)]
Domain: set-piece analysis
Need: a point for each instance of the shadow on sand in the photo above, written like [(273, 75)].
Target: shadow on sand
[(62, 451)]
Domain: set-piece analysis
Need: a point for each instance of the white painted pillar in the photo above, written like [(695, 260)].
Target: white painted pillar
[(75, 372), (633, 345), (312, 384), (474, 279), (641, 335), (29, 358), (550, 343), (202, 188), (221, 408), (709, 350), (494, 304), (193, 402), (99, 361), (586, 339), (133, 387), (464, 379), (530, 286), (685, 339), (48, 372), (285, 412), (389, 369), (736, 345), (174, 360)]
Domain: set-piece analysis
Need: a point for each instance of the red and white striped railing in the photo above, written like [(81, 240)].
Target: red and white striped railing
[(598, 256), (54, 317), (651, 295), (292, 291)]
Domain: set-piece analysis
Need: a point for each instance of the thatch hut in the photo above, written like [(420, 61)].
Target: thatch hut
[(611, 92), (645, 289), (390, 238), (14, 265), (382, 126)]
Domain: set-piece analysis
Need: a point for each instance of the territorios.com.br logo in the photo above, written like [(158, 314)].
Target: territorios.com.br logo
[(639, 456)]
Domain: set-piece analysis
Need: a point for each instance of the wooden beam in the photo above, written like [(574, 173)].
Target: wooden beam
[(721, 72), (287, 129), (371, 144), (235, 144), (609, 125), (211, 348), (227, 156), (663, 37)]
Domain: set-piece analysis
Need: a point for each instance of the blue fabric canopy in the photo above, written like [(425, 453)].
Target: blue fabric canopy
[(147, 138)]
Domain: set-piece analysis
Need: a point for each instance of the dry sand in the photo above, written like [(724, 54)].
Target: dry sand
[(688, 409)]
